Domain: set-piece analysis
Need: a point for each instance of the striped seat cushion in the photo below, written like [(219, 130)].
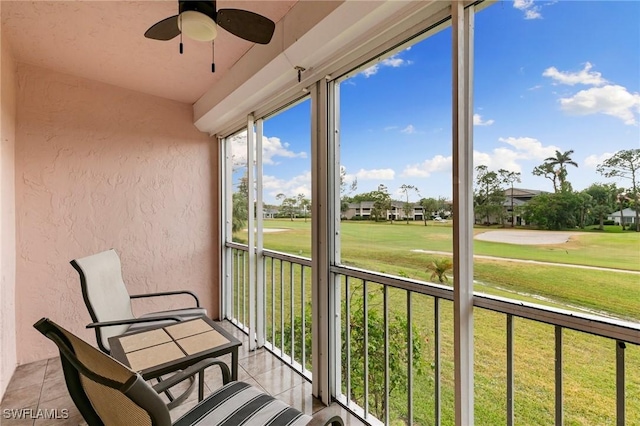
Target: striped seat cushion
[(238, 403)]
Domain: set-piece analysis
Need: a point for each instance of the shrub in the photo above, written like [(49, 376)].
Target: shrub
[(398, 354)]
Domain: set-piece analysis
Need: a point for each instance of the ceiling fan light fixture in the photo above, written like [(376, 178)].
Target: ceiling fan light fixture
[(197, 26)]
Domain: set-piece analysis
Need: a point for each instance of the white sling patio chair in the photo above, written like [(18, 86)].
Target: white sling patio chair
[(109, 302)]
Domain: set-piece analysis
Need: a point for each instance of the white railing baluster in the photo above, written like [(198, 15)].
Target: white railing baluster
[(365, 310), (304, 323), (273, 302), (385, 296)]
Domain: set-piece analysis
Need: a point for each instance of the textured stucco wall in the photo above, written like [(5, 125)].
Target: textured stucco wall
[(101, 167), (7, 216)]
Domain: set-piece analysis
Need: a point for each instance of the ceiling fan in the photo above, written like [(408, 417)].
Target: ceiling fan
[(199, 20)]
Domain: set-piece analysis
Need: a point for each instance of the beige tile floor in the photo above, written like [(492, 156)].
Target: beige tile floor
[(40, 387)]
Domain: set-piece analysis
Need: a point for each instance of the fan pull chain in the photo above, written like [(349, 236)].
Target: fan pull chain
[(213, 56), (181, 47)]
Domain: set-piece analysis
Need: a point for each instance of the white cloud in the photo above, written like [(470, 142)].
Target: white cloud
[(522, 4), (611, 100), (375, 174), (500, 158), (506, 157), (272, 147), (372, 70), (584, 76), (386, 129), (478, 121), (392, 61), (300, 184), (409, 129), (593, 160), (531, 11), (530, 148), (438, 163), (509, 158)]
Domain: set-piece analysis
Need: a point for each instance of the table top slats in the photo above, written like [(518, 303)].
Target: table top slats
[(155, 355), (165, 349), (134, 342), (188, 328), (201, 342)]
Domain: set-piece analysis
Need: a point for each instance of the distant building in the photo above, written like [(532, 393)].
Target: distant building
[(515, 199), (416, 212), (270, 212), (628, 216), (518, 198)]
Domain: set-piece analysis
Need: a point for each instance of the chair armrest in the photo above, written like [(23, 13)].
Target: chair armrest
[(167, 293), (192, 370), (327, 416), (132, 321)]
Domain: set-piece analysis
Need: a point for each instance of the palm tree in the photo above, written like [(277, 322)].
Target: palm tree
[(561, 159), (439, 269)]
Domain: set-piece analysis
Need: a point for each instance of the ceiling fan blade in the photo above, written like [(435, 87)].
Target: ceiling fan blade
[(164, 30), (247, 25)]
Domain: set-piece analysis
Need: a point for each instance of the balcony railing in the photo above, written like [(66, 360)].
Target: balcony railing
[(287, 302), (397, 352)]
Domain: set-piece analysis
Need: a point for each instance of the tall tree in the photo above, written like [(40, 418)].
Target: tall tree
[(346, 189), (584, 204), (561, 160), (408, 207), (489, 194), (381, 203), (510, 178), (240, 207), (304, 204), (625, 164), (553, 211), (288, 206), (603, 201), (429, 205), (546, 170)]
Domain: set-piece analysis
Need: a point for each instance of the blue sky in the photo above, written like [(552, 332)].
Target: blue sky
[(548, 75)]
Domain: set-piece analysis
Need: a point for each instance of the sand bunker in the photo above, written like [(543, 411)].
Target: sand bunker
[(269, 230), (526, 237)]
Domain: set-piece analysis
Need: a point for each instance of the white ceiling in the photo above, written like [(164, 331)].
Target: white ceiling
[(104, 41)]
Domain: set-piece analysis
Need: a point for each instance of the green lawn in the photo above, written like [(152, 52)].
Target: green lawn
[(589, 366), (387, 248), (604, 249)]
